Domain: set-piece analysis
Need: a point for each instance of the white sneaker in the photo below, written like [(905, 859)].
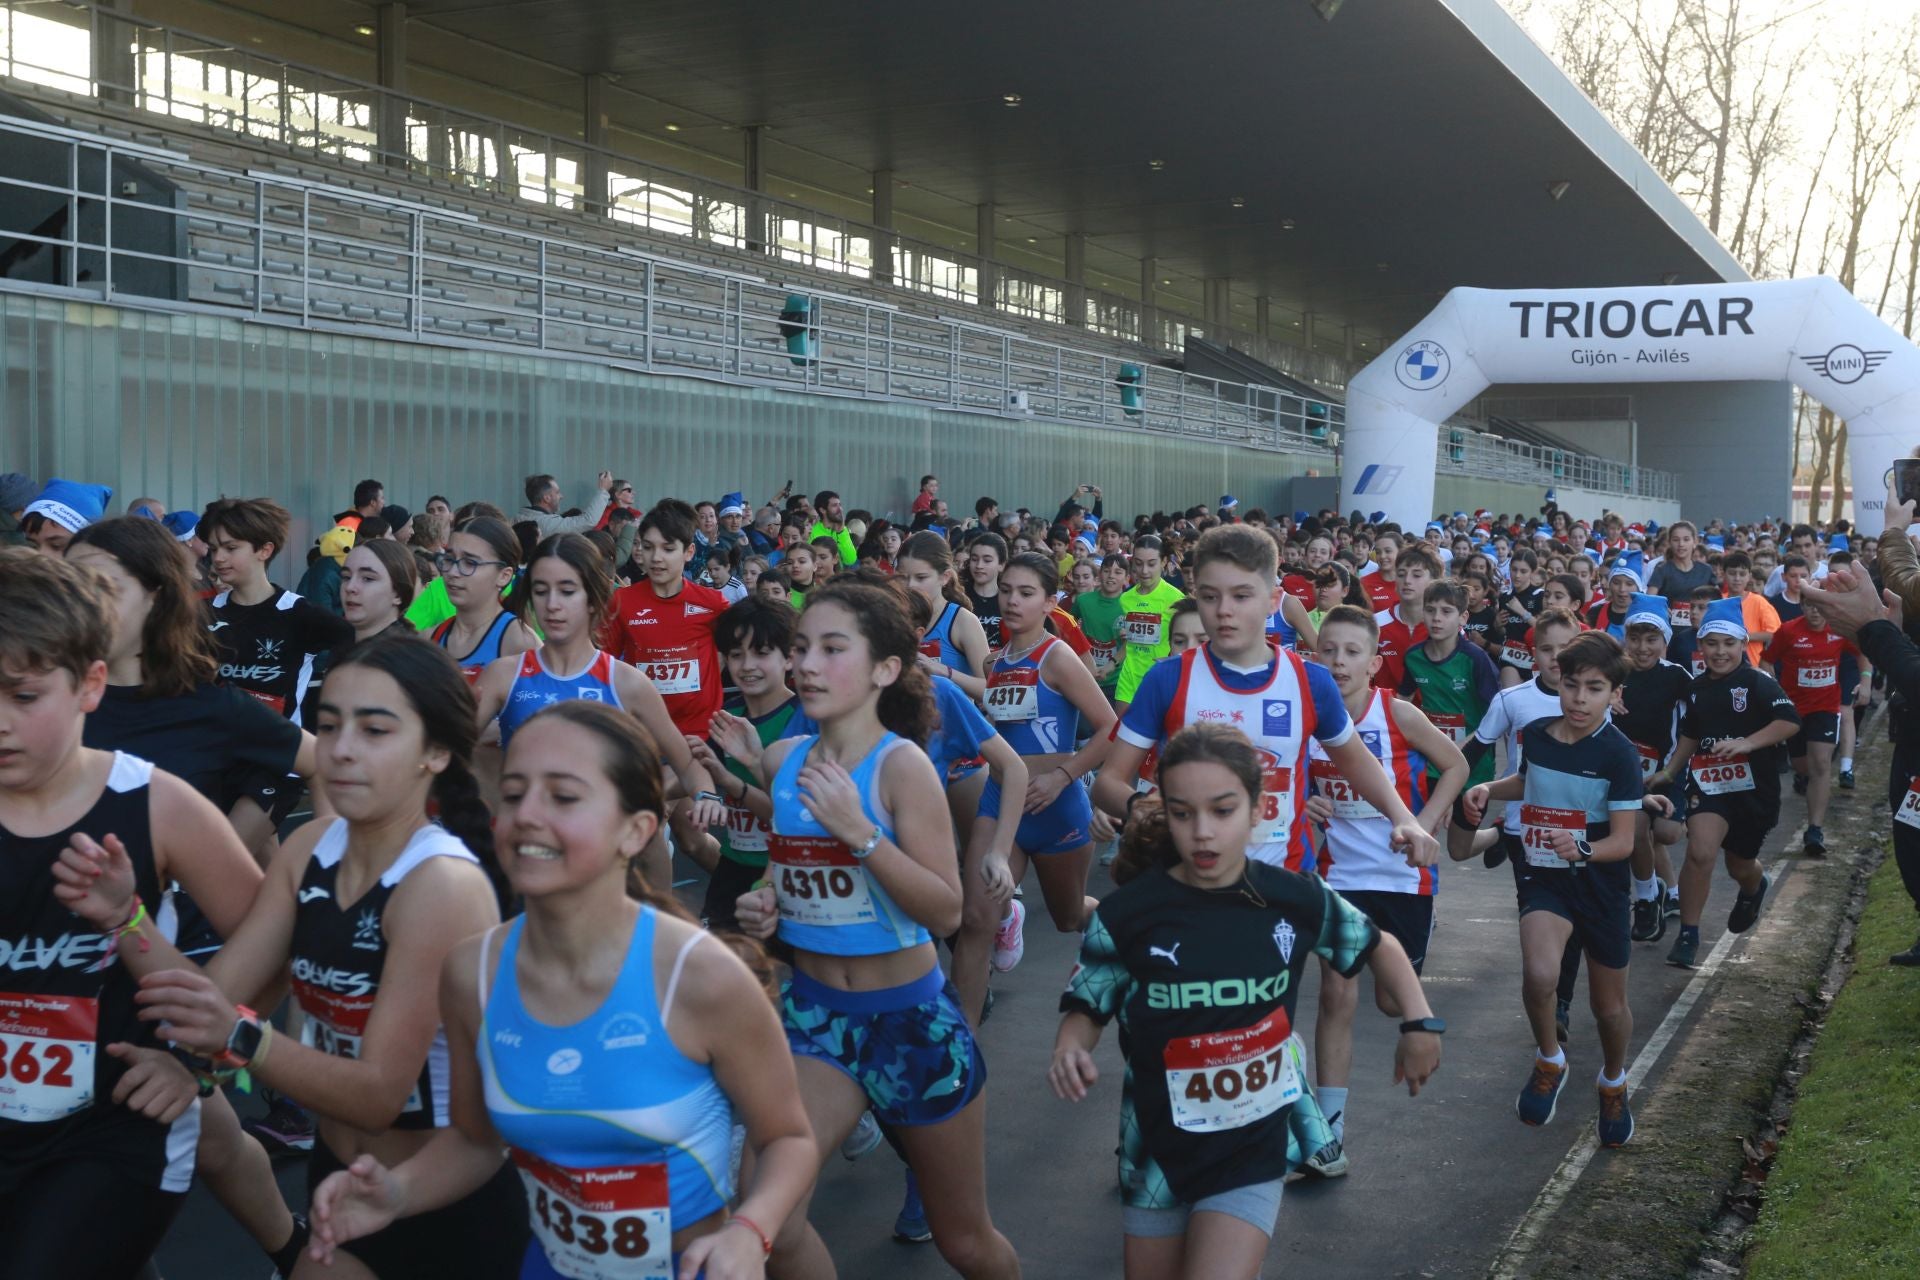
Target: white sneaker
[(864, 1138), (1010, 943)]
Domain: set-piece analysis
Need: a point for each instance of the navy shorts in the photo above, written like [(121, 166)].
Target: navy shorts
[(1061, 827), (1748, 821), (909, 1047), (1407, 916), (1815, 726), (1593, 899)]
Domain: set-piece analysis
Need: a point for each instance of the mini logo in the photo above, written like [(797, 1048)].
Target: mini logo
[(1739, 699), (366, 931), (1276, 717), (1378, 478), (564, 1062), (1170, 954), (1423, 366), (313, 893), (1846, 363), (1283, 939)]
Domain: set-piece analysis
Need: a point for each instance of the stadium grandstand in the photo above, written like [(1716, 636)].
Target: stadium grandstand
[(250, 247)]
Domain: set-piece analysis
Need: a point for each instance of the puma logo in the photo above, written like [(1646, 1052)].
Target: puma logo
[(1170, 954)]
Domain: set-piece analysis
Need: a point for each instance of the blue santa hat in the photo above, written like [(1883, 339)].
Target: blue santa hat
[(733, 504), (71, 505), (1716, 541), (1840, 542), (1723, 618), (1553, 495), (1228, 502), (1377, 517), (180, 524), (1629, 564), (1647, 610)]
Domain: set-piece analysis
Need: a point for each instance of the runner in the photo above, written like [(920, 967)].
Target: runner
[(986, 557), (1144, 608), (60, 510), (98, 1118), (864, 867), (480, 563), (664, 624), (1415, 569), (1652, 702), (1676, 577), (1186, 629), (1210, 1081), (1100, 614), (1736, 720), (955, 646), (1355, 854), (1736, 570), (702, 1049), (1451, 681), (1806, 658), (1578, 788), (376, 586)]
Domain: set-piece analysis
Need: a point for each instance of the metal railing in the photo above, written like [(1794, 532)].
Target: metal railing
[(1473, 453), (196, 80)]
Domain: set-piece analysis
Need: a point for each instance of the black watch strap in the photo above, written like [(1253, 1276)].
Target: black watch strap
[(1432, 1026)]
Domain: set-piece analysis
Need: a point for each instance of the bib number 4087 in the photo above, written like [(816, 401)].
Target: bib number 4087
[(1228, 1083)]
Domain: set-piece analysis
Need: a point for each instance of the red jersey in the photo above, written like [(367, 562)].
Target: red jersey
[(671, 641), (1382, 594), (1396, 638), (1301, 589), (1067, 627), (1807, 663)]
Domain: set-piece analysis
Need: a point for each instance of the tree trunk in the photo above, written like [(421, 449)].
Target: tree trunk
[(1839, 472), (1822, 461)]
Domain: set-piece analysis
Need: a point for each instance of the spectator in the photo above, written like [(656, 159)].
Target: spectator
[(369, 499), (929, 490), (399, 523), (831, 522), (543, 506), (16, 491), (732, 515), (764, 536)]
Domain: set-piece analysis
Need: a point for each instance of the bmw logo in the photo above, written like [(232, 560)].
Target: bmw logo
[(1423, 366)]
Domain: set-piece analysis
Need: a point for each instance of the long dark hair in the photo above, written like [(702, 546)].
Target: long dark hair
[(401, 571), (439, 694), (632, 765), (906, 705), (177, 652), (1148, 840), (587, 563), (929, 548)]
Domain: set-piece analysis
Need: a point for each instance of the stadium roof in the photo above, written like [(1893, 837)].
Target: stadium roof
[(1411, 146)]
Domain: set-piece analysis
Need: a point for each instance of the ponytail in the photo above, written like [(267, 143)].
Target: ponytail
[(462, 811)]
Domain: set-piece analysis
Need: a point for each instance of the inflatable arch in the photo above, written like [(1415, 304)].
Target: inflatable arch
[(1811, 331)]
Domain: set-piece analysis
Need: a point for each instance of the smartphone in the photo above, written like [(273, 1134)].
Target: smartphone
[(1906, 479)]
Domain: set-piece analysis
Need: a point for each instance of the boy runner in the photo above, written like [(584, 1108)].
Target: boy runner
[(1452, 682), (1099, 613), (1653, 700), (1736, 570), (1579, 792), (1729, 748), (663, 624), (1414, 570), (1806, 658), (1143, 618)]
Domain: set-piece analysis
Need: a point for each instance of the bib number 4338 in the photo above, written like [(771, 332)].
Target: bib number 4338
[(600, 1224)]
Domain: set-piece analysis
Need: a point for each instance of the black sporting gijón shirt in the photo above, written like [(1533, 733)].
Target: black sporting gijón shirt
[(1655, 699), (1740, 704), (273, 649)]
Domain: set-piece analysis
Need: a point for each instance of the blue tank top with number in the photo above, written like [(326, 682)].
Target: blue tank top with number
[(938, 642), (535, 687), (829, 903), (1034, 717), (597, 1111)]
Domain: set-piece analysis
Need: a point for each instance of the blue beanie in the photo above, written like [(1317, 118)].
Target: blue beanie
[(71, 505)]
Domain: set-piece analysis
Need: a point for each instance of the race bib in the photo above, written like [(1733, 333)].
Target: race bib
[(46, 1055), (1680, 616), (1013, 695), (673, 670), (1144, 629), (1230, 1079), (1538, 822), (1452, 723), (1649, 760), (1699, 665), (818, 881), (747, 832), (1105, 658), (1717, 777), (930, 649), (1331, 783), (1276, 801), (1909, 810), (610, 1223), (1824, 676), (274, 700), (1518, 655)]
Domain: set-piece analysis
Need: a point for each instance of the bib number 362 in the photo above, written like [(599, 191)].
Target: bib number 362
[(610, 1223), (46, 1055)]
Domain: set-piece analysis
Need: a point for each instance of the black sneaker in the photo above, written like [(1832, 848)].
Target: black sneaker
[(1815, 843), (1562, 1018), (285, 1130), (1495, 855), (1746, 907), (1649, 922), (1799, 784), (1910, 958), (1685, 948), (1671, 907), (1329, 1161), (1846, 779)]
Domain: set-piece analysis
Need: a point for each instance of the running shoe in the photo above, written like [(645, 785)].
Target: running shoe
[(1815, 844), (911, 1226), (864, 1138), (1648, 921), (1672, 907), (1799, 784), (1541, 1098), (1615, 1120), (1685, 948), (1910, 958), (1495, 855), (1329, 1161), (986, 1007), (285, 1130), (1746, 907), (1010, 943), (1846, 779), (1562, 1019)]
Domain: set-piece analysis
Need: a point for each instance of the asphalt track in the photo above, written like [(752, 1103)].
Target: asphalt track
[(1438, 1183)]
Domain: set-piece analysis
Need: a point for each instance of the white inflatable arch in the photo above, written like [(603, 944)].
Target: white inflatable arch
[(1811, 331)]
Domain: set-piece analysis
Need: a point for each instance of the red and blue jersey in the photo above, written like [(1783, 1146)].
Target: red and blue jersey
[(1357, 850)]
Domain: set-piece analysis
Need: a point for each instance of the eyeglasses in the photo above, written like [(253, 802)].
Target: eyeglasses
[(464, 566)]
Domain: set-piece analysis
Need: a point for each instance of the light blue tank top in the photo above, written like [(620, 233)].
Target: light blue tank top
[(610, 1094), (535, 688), (1033, 716), (829, 904), (941, 634)]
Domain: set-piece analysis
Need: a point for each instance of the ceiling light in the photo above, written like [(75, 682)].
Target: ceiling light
[(1010, 99), (1156, 165), (1327, 8), (1167, 281), (1558, 188), (1286, 224), (1031, 240), (869, 190), (363, 30), (672, 127), (1238, 202)]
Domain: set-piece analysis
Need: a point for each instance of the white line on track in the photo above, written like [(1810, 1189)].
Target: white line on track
[(1519, 1246)]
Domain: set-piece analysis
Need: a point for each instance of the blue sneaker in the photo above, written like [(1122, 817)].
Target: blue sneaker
[(911, 1226), (1815, 843), (1541, 1097), (1615, 1119), (1746, 907)]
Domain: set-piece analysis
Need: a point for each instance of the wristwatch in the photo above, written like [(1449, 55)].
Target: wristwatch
[(1584, 849), (1432, 1026), (242, 1042)]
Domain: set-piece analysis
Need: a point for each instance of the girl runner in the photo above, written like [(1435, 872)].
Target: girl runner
[(363, 909), (376, 586), (627, 1158), (864, 874), (105, 1128), (955, 646), (478, 566), (1204, 1106)]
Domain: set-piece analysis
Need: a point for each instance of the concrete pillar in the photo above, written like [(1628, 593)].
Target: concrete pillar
[(755, 180), (986, 244), (883, 219), (1263, 316), (1217, 299), (1076, 268), (1149, 313), (114, 70), (1307, 326), (1346, 331), (595, 199), (390, 62)]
